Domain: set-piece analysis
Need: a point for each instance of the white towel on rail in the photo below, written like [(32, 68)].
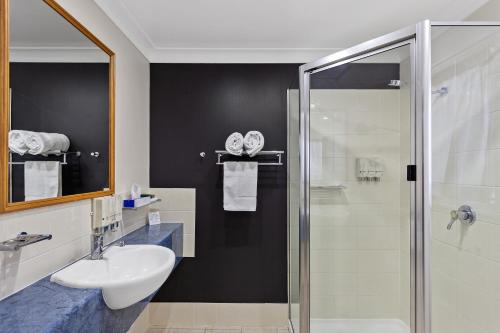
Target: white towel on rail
[(42, 179), (234, 144), (17, 141), (240, 186), (41, 143), (253, 142)]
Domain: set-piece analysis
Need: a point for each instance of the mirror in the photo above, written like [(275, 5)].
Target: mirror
[(59, 117)]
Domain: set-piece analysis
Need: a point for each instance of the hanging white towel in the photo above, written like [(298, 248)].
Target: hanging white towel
[(253, 142), (17, 141), (42, 179), (240, 186), (234, 144), (40, 143)]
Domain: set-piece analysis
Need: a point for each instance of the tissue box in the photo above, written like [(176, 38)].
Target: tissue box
[(136, 203)]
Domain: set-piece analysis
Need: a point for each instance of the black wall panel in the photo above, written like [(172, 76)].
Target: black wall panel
[(67, 98), (240, 256)]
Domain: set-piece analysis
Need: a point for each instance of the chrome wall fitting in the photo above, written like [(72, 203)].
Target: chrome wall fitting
[(464, 214), (22, 239)]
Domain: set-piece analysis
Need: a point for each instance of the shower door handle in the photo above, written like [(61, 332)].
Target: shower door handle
[(464, 214)]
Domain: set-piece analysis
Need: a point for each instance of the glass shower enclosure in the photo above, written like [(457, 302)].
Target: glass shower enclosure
[(394, 179)]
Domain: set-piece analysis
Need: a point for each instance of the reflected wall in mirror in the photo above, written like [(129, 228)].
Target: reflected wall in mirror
[(59, 117)]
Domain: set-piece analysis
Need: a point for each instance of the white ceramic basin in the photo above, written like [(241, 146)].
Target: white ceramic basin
[(126, 274)]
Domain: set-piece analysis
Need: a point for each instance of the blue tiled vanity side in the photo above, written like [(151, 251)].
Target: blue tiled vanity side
[(48, 307)]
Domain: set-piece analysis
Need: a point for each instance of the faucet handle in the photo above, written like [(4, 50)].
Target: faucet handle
[(454, 217), (464, 214)]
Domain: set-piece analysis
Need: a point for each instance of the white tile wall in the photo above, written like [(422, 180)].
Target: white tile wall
[(355, 232), (179, 205), (218, 315), (466, 170), (69, 225)]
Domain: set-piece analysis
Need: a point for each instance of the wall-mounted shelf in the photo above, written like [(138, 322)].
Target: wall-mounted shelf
[(154, 200), (328, 187), (277, 153)]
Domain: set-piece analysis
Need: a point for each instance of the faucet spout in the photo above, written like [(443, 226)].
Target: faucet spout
[(97, 246)]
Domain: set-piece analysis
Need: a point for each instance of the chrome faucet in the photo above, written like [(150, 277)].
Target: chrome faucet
[(97, 247), (464, 214)]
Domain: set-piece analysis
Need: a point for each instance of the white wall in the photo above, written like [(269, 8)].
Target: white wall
[(70, 223), (466, 170)]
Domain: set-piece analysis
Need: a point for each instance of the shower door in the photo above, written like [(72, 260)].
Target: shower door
[(357, 189)]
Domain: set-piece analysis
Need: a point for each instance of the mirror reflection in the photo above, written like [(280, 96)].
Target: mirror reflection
[(59, 106)]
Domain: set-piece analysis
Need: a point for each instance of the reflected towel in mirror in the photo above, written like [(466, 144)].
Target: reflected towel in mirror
[(17, 141), (40, 143), (42, 179)]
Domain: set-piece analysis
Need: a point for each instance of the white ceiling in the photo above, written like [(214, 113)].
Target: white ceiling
[(34, 24), (37, 33), (267, 31)]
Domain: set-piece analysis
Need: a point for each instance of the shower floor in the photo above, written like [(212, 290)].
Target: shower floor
[(358, 326)]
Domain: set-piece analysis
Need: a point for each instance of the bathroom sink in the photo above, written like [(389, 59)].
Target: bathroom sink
[(126, 274)]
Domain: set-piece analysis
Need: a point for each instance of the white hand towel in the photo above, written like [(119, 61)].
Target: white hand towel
[(234, 144), (253, 142), (42, 179), (40, 143), (240, 186), (17, 141)]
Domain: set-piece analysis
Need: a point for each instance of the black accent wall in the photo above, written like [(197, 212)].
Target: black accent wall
[(67, 98), (356, 76), (240, 256)]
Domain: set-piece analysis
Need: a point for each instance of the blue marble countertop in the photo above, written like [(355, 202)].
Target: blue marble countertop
[(48, 307)]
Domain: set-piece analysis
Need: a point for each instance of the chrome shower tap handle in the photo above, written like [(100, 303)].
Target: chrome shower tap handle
[(454, 217), (464, 214)]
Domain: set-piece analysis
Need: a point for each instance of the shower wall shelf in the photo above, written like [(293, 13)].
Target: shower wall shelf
[(328, 187), (277, 153)]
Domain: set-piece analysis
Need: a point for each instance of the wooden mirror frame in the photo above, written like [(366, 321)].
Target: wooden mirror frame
[(7, 206)]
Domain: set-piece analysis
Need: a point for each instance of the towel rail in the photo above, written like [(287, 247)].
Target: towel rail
[(278, 154), (63, 162)]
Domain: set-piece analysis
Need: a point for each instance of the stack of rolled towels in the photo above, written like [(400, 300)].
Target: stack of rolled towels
[(251, 143), (37, 143)]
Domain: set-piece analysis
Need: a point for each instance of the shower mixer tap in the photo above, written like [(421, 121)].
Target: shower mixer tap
[(464, 214)]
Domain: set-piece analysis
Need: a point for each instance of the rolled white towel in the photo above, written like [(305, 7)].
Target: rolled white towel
[(40, 143), (253, 142), (17, 141), (234, 144)]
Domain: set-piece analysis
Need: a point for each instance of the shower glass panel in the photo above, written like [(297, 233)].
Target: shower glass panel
[(465, 118), (360, 144)]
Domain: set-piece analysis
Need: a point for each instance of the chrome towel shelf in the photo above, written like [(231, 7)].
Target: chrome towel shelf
[(63, 162), (277, 153)]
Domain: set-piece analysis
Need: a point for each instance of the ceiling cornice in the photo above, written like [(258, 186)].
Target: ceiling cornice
[(233, 55), (126, 22)]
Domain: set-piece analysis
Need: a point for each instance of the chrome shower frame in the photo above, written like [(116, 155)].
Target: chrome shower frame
[(418, 37)]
